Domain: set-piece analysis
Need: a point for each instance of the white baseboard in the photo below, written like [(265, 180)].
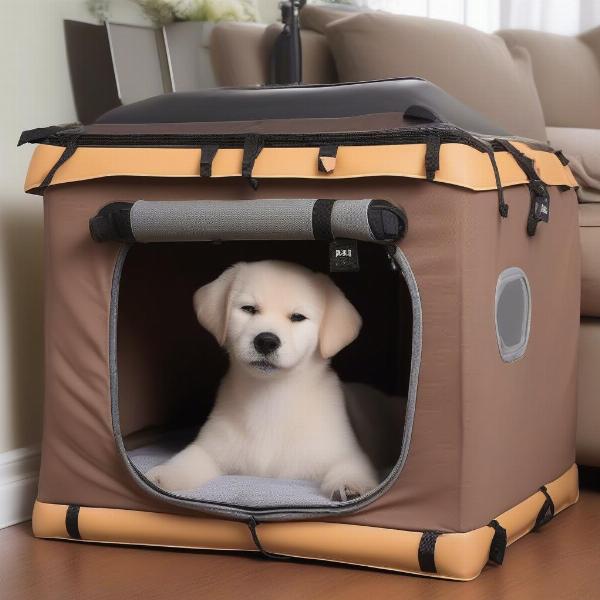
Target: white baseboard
[(18, 484)]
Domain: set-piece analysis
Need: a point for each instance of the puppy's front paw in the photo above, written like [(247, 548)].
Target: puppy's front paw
[(345, 493), (189, 469), (341, 485), (173, 478)]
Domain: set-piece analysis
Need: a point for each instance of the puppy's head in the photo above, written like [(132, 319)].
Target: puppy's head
[(273, 316)]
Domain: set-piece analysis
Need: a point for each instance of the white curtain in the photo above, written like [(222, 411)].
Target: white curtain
[(557, 16)]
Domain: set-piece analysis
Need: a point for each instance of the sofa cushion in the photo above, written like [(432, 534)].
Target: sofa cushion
[(567, 74), (475, 67), (582, 148), (588, 195), (589, 232)]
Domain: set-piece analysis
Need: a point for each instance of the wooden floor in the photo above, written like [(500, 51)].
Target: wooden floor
[(562, 561)]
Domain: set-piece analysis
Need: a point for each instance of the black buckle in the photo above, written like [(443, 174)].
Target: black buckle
[(540, 205)]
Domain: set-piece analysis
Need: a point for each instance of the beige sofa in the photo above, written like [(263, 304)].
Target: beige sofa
[(538, 85)]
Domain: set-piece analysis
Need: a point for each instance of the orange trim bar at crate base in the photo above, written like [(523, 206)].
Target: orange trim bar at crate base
[(459, 556), (459, 164)]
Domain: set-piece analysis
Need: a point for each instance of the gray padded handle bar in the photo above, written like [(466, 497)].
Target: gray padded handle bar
[(212, 220)]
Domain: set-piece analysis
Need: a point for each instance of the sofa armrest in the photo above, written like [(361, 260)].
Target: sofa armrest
[(581, 147), (589, 233)]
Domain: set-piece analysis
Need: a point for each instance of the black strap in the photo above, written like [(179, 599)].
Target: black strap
[(540, 198), (252, 525), (69, 150), (72, 521), (39, 134), (327, 152), (546, 513), (427, 551), (432, 157), (253, 145), (207, 155), (499, 542), (321, 220), (527, 165), (502, 206), (564, 161)]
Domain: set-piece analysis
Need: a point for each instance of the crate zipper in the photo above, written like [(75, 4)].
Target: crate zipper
[(416, 135)]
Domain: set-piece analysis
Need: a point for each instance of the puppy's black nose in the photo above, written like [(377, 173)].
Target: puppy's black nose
[(266, 342)]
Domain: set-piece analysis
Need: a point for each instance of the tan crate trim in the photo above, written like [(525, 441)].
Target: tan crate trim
[(459, 556), (460, 164)]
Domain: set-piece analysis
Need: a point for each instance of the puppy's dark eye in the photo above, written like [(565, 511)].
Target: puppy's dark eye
[(252, 310), (296, 317)]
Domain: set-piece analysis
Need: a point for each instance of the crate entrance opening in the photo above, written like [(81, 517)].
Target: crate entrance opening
[(169, 367)]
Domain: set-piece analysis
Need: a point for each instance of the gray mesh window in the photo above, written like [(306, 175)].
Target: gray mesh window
[(513, 313)]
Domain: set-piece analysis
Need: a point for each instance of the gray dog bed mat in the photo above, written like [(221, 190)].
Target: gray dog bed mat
[(253, 492)]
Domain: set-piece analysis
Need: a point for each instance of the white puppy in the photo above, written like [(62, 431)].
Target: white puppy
[(280, 409)]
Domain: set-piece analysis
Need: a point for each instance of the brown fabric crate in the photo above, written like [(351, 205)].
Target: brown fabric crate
[(485, 434)]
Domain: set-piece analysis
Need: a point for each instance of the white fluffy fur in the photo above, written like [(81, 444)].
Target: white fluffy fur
[(288, 419)]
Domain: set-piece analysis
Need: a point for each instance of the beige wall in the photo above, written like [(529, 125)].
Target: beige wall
[(268, 10), (35, 92)]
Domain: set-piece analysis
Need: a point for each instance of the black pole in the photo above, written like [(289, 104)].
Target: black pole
[(286, 57)]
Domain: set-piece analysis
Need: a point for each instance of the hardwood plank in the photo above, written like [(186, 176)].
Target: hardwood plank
[(562, 561)]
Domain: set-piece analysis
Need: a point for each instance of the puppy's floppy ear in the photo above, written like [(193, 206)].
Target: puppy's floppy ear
[(341, 322), (212, 302)]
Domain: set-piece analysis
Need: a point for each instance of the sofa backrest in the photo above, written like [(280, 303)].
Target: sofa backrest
[(567, 74), (241, 54), (494, 74), (317, 17), (475, 67)]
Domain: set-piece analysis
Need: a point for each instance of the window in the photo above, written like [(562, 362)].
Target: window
[(513, 313)]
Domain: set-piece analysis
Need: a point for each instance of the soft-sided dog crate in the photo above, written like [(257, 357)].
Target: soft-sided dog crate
[(467, 282)]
